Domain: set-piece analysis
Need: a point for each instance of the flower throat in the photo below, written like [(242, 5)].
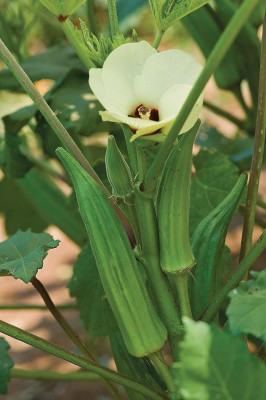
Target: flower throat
[(146, 113)]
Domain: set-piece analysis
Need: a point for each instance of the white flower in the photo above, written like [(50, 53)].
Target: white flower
[(145, 89)]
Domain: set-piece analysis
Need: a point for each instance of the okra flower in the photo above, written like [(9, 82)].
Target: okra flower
[(145, 89)]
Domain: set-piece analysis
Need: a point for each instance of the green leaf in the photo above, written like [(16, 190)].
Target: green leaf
[(53, 63), (23, 253), (5, 365), (214, 178), (167, 12), (239, 149), (247, 309), (86, 286), (19, 212), (62, 7), (215, 365)]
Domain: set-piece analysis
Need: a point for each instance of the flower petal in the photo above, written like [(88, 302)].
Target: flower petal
[(171, 103), (119, 71), (163, 70), (96, 85), (141, 126)]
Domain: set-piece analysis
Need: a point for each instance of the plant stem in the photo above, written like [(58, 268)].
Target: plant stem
[(45, 110), (56, 126), (53, 375), (63, 354), (113, 19), (163, 370), (242, 269), (69, 331), (91, 17), (156, 278), (225, 114), (60, 319), (157, 39), (222, 46), (181, 281), (258, 152), (81, 49), (30, 307)]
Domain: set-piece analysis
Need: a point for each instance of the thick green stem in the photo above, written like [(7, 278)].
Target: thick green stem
[(225, 114), (242, 269), (56, 126), (69, 29), (181, 283), (258, 153), (16, 373), (156, 278), (215, 58), (113, 19), (69, 331), (63, 354), (157, 39), (163, 370)]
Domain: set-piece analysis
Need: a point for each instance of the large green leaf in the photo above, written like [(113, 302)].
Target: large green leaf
[(23, 253), (214, 178), (19, 211), (167, 12), (5, 365), (239, 149), (53, 64), (215, 365), (86, 286), (247, 308)]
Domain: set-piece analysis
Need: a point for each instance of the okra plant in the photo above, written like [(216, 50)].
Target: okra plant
[(150, 215)]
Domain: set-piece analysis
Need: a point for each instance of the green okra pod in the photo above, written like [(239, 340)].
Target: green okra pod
[(141, 328), (173, 207), (208, 245)]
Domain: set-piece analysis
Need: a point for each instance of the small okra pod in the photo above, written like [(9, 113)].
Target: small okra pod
[(173, 207), (141, 328), (118, 171)]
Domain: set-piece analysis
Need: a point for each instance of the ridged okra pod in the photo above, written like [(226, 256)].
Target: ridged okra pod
[(173, 207), (141, 328), (208, 245)]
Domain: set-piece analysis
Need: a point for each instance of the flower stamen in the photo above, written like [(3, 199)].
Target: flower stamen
[(146, 113)]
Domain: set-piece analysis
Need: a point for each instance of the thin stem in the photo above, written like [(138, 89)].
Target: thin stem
[(69, 331), (53, 375), (45, 110), (225, 114), (60, 318), (242, 269), (241, 100), (113, 19), (163, 370), (56, 126), (81, 49), (258, 152), (261, 203), (30, 307), (181, 283), (157, 39), (91, 17), (63, 354), (222, 46)]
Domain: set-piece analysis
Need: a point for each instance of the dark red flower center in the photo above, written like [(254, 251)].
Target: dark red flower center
[(146, 113)]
